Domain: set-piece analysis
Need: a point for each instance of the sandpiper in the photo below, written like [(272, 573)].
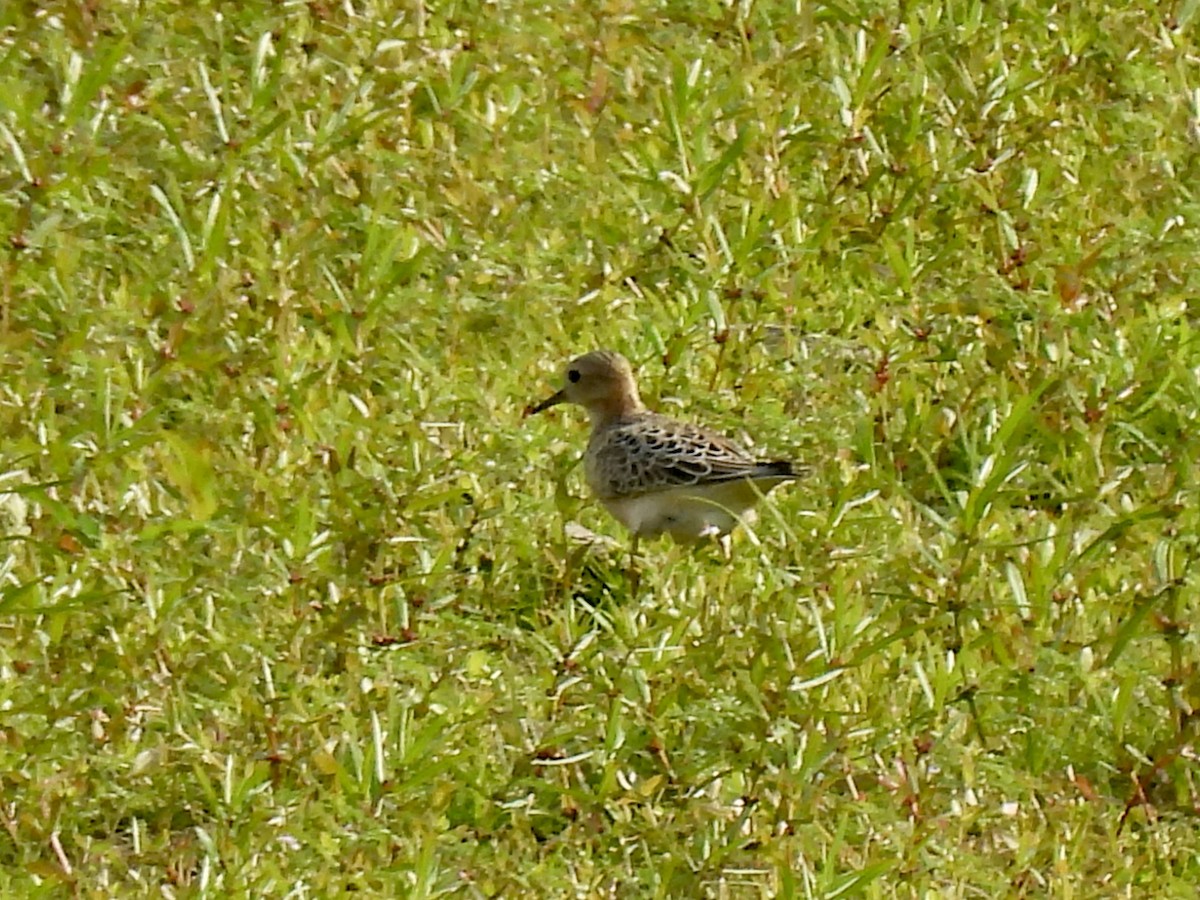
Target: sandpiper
[(655, 474)]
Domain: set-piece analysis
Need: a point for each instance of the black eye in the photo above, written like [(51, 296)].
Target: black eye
[(573, 376)]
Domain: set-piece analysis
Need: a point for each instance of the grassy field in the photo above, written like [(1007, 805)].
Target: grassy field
[(290, 602)]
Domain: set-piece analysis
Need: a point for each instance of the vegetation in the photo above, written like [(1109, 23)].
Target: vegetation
[(289, 604)]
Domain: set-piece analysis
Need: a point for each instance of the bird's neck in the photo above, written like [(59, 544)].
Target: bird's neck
[(617, 408)]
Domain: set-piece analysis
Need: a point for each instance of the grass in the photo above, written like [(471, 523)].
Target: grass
[(287, 606)]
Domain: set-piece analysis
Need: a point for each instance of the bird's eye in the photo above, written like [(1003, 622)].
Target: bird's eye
[(573, 376)]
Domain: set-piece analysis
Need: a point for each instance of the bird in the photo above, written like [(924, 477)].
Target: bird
[(657, 475)]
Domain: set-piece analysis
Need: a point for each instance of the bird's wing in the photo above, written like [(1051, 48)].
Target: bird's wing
[(655, 453)]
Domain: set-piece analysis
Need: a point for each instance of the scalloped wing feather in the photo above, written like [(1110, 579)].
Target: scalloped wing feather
[(654, 453)]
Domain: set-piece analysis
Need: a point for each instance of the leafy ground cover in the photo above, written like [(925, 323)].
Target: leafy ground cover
[(289, 604)]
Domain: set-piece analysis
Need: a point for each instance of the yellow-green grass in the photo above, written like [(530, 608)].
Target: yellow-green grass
[(287, 601)]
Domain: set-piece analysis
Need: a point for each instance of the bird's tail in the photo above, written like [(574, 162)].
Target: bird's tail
[(780, 468)]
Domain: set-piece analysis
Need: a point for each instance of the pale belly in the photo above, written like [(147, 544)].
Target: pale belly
[(688, 514)]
